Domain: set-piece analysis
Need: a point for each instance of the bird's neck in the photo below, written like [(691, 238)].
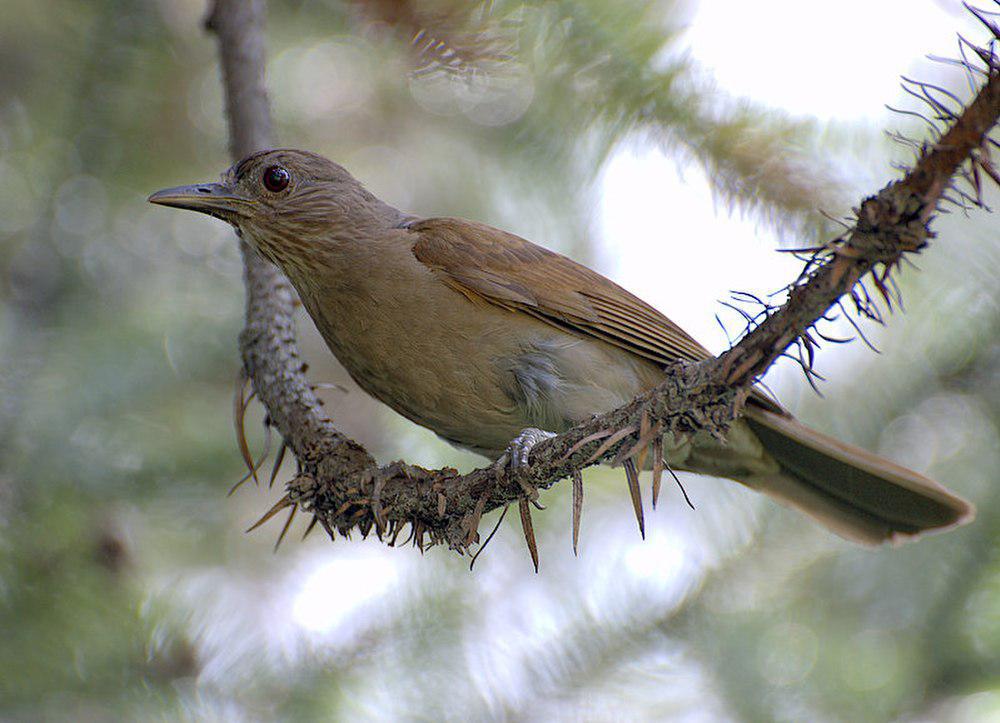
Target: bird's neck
[(303, 244)]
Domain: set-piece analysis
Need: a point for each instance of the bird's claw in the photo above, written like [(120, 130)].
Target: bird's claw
[(516, 454)]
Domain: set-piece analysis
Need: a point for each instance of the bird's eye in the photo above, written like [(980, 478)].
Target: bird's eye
[(276, 179)]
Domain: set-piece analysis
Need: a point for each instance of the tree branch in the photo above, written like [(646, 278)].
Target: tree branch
[(341, 485)]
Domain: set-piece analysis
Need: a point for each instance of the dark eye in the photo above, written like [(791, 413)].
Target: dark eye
[(276, 179)]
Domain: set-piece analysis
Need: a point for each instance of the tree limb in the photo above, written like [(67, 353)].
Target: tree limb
[(342, 486)]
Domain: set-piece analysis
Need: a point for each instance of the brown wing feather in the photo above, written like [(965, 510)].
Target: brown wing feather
[(486, 263)]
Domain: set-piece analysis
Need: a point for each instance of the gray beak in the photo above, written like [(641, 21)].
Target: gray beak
[(214, 199)]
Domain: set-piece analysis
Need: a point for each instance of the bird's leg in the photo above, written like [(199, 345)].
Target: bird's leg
[(516, 454)]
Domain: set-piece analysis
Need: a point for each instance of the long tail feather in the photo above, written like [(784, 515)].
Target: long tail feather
[(855, 493)]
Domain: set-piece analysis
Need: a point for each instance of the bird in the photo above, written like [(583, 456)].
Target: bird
[(495, 343)]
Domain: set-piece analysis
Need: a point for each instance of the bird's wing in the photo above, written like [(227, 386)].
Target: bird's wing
[(492, 266)]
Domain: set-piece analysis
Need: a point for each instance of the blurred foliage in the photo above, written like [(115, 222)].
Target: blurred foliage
[(127, 589)]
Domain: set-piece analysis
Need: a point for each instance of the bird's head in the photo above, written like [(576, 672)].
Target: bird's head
[(288, 204)]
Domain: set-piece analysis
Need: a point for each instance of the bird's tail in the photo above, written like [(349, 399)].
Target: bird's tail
[(855, 493)]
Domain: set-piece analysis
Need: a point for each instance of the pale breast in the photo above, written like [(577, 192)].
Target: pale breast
[(473, 373), (416, 345)]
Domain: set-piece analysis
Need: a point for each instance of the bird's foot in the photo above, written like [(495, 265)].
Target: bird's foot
[(516, 454)]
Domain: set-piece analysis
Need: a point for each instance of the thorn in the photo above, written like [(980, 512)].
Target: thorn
[(583, 442), (327, 528), (657, 468), (490, 537), (281, 504), (915, 114), (611, 441), (678, 481), (577, 506), (924, 85), (312, 524), (256, 466), (835, 220), (725, 331), (641, 447), (529, 532), (861, 334), (284, 530), (980, 15), (239, 410), (644, 425), (632, 476), (329, 385), (477, 515), (277, 462), (988, 168)]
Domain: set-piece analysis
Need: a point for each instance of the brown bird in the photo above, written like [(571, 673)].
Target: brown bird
[(495, 343)]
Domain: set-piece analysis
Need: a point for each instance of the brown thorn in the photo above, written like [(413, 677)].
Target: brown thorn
[(489, 537), (329, 385), (657, 468), (882, 290), (644, 429), (610, 442), (279, 458), (284, 530), (239, 410), (239, 483), (577, 506), (583, 442), (281, 504), (312, 524), (529, 532), (632, 476), (839, 222), (988, 168), (256, 466), (327, 528), (477, 515), (640, 448)]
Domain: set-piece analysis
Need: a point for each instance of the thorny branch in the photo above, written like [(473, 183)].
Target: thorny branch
[(343, 488)]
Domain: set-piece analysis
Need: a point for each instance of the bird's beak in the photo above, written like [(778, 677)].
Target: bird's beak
[(214, 199)]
